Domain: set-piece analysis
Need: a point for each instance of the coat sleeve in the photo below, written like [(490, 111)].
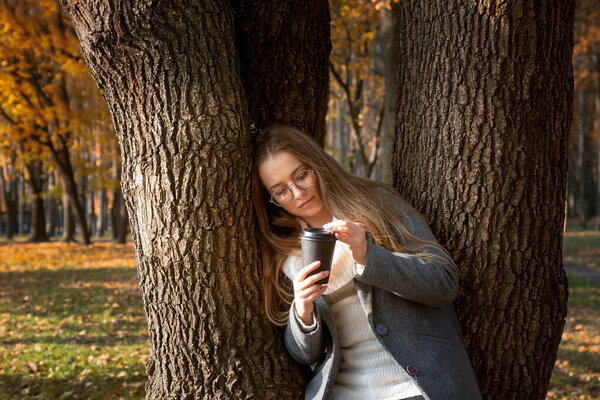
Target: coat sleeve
[(407, 275), (304, 343)]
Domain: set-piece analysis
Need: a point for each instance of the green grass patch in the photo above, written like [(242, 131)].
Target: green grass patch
[(72, 326), (576, 373), (71, 322)]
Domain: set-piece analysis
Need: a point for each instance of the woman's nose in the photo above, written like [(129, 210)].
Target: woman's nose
[(297, 191)]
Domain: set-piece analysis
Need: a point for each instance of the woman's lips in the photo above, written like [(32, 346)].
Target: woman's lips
[(309, 201)]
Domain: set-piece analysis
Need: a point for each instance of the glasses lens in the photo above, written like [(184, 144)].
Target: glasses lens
[(282, 196), (305, 179)]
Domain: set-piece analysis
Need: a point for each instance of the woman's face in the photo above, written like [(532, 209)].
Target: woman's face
[(279, 171)]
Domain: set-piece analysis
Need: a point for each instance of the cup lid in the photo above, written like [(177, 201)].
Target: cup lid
[(317, 234)]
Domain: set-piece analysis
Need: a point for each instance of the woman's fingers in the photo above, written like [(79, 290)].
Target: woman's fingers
[(303, 273), (308, 292), (316, 295), (311, 280)]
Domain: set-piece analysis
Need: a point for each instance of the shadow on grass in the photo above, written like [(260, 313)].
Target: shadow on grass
[(107, 340), (13, 386), (83, 292)]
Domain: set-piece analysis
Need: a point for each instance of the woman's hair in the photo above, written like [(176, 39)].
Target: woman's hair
[(345, 195)]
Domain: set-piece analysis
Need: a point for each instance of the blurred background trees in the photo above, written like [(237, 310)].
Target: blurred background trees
[(58, 150), (58, 156), (583, 195)]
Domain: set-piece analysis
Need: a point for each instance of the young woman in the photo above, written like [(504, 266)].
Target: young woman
[(384, 327)]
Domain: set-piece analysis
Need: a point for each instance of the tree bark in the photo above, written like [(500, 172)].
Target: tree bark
[(283, 47), (171, 78), (485, 105)]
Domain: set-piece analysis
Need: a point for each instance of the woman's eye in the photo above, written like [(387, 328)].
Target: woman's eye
[(302, 175), (279, 193)]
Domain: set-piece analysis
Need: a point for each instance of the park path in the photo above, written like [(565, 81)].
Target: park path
[(582, 271)]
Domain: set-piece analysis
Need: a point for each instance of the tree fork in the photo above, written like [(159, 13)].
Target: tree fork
[(171, 78)]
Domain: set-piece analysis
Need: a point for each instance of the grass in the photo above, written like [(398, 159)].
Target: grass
[(582, 245), (576, 372), (72, 324)]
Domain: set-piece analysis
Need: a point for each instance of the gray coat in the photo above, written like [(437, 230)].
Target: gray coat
[(408, 304)]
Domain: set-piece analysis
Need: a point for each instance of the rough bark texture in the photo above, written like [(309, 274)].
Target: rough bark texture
[(283, 48), (170, 75), (485, 104)]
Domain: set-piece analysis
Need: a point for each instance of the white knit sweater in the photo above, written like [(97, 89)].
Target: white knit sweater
[(367, 370)]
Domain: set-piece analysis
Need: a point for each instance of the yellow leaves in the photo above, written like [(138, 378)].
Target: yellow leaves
[(24, 257)]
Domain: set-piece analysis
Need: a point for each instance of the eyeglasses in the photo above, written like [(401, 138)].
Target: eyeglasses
[(303, 180)]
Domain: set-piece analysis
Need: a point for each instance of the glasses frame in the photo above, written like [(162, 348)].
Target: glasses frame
[(288, 187)]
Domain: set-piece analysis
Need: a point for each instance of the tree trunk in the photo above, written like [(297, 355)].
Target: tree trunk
[(68, 222), (582, 152), (38, 219), (597, 131), (123, 221), (21, 202), (91, 207), (9, 197), (283, 47), (389, 43), (102, 211), (485, 104), (61, 156), (51, 206), (117, 194), (171, 78)]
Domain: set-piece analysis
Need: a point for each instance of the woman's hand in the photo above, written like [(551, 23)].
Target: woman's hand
[(306, 291), (353, 235)]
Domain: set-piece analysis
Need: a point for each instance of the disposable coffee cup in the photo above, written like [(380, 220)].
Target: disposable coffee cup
[(318, 245)]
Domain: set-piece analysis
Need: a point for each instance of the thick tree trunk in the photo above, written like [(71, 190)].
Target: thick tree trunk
[(38, 219), (485, 105), (283, 47), (171, 78)]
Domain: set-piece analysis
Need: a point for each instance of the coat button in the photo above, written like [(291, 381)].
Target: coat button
[(381, 329), (412, 370)]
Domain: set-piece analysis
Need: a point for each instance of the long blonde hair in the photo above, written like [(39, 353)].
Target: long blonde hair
[(345, 195)]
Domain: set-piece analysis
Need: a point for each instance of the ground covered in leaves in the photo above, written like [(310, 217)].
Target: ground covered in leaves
[(577, 369), (72, 324)]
